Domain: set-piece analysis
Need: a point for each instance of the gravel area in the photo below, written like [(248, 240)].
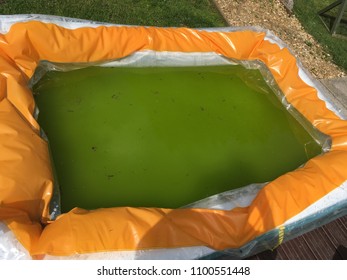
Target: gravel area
[(272, 15)]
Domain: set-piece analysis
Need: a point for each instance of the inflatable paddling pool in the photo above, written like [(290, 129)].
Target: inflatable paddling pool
[(173, 143)]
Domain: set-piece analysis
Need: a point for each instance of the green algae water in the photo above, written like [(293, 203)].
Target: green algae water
[(164, 137)]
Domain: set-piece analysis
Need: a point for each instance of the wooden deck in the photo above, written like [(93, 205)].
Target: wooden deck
[(328, 242)]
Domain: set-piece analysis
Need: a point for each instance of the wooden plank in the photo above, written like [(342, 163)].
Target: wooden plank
[(298, 249), (343, 220), (337, 233), (339, 16), (325, 243), (320, 244)]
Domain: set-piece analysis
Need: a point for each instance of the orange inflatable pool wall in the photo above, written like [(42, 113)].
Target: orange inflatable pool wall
[(26, 176)]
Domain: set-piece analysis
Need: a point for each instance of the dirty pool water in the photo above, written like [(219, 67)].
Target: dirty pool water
[(164, 137)]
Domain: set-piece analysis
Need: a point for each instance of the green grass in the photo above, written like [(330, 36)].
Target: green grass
[(189, 13), (307, 12)]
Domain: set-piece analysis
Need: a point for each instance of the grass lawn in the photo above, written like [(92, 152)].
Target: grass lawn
[(189, 13), (306, 11)]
